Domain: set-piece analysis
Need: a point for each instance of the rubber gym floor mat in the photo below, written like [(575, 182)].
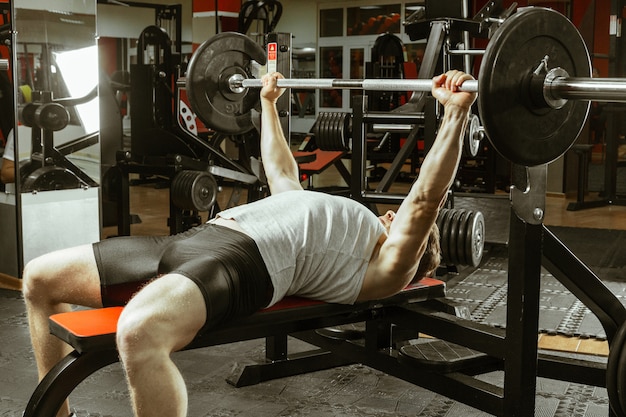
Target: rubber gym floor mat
[(484, 291)]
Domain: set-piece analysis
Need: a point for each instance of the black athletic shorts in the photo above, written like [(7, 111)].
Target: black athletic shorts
[(224, 263)]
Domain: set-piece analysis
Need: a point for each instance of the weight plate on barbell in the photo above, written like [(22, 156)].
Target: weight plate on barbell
[(471, 144), (208, 73), (518, 130)]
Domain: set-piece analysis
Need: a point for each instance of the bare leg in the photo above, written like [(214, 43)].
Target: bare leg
[(50, 284), (162, 318)]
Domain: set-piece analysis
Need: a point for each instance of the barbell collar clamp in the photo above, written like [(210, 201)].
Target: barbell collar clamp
[(549, 97)]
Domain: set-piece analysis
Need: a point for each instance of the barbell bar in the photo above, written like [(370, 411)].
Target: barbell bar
[(584, 88), (556, 88), (534, 85), (236, 82)]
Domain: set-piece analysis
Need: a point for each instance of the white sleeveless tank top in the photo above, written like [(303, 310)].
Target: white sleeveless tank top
[(314, 245)]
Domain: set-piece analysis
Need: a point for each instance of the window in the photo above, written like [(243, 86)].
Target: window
[(331, 22)]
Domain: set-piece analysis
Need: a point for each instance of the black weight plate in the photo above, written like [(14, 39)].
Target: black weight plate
[(471, 144), (348, 132), (462, 236), (194, 190), (339, 132), (328, 131), (453, 236), (204, 192), (209, 70), (325, 131), (320, 139), (475, 241), (27, 114), (345, 131), (336, 132), (52, 116), (518, 130)]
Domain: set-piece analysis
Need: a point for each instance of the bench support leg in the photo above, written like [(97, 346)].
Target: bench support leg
[(63, 378), (280, 364)]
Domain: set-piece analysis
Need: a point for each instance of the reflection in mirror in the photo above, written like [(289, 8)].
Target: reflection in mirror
[(8, 213), (55, 79), (57, 76)]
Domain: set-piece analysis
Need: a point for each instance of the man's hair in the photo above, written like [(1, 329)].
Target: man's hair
[(432, 255)]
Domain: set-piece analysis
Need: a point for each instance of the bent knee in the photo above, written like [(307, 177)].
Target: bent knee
[(145, 332), (36, 282), (136, 335), (65, 276)]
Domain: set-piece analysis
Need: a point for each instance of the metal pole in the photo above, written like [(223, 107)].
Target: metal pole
[(596, 89), (331, 84)]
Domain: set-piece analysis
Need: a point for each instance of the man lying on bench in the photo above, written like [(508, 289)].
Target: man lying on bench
[(294, 242)]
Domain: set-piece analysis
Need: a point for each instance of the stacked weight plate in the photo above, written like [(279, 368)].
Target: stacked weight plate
[(462, 236)]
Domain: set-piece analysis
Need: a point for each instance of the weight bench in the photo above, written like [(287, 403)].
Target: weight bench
[(92, 335)]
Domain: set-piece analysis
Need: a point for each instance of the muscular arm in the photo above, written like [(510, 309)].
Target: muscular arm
[(280, 166), (7, 174), (395, 264)]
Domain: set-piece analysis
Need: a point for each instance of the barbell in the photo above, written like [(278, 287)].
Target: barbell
[(557, 86), (534, 85)]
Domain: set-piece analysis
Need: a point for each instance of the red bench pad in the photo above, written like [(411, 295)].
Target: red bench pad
[(84, 329)]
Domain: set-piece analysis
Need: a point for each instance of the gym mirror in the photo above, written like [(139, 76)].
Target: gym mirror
[(8, 216), (55, 75)]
